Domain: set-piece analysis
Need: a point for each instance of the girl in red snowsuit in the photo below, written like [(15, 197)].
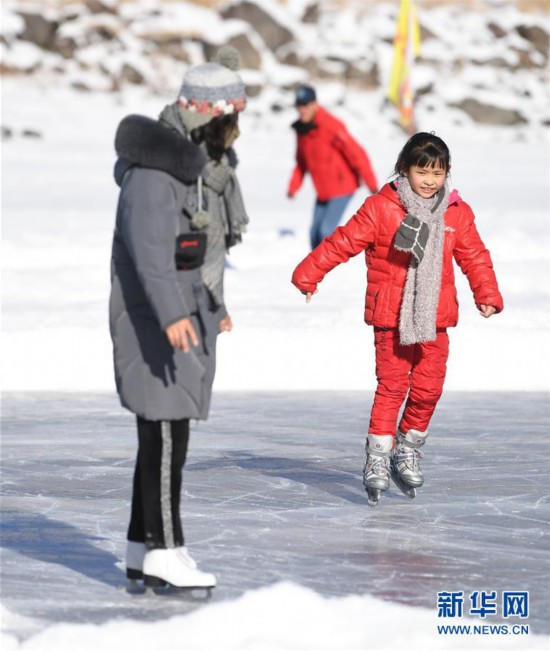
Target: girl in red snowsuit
[(410, 232)]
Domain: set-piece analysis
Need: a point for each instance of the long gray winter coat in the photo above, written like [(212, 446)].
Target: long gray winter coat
[(157, 171)]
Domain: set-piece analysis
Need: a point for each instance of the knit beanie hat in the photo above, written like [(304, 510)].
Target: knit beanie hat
[(212, 89)]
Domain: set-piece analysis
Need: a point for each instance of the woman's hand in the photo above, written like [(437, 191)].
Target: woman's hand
[(486, 310), (180, 333), (226, 325)]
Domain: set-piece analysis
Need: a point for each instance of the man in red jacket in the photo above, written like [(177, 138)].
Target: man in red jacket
[(336, 161)]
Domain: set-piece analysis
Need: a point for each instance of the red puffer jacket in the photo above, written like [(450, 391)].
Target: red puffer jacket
[(337, 163), (372, 230)]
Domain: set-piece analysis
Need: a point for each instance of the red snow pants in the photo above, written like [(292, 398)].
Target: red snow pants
[(415, 372)]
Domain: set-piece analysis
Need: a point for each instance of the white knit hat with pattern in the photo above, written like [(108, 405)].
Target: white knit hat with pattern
[(212, 89)]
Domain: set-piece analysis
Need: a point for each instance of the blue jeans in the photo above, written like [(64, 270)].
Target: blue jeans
[(326, 217)]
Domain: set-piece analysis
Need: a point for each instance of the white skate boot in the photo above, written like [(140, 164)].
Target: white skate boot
[(405, 461), (376, 473), (176, 567)]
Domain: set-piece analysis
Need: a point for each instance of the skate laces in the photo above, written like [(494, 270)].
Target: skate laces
[(377, 465), (409, 456)]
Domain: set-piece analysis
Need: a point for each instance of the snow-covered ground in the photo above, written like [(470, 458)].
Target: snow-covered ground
[(58, 202)]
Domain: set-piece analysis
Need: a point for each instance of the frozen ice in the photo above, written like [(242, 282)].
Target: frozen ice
[(273, 494)]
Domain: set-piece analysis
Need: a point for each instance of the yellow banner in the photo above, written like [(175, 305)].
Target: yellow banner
[(406, 50)]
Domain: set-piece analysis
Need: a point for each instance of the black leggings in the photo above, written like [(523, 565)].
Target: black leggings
[(155, 518)]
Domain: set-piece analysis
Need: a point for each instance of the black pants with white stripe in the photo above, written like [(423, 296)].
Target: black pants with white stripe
[(162, 450)]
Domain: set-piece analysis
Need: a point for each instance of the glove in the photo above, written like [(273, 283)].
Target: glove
[(412, 236)]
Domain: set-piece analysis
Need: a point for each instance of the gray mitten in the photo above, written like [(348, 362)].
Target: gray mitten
[(412, 236), (216, 175)]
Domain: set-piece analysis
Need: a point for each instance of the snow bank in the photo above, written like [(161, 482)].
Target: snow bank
[(500, 50), (282, 617)]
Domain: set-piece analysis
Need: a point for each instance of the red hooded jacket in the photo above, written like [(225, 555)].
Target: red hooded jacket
[(337, 163), (372, 230)]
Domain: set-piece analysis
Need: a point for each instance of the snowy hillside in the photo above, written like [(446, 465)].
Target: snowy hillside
[(58, 201), (482, 63)]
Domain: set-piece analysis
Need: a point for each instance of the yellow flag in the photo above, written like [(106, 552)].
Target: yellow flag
[(406, 50)]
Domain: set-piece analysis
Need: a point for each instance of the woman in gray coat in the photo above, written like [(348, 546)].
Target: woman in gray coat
[(179, 210)]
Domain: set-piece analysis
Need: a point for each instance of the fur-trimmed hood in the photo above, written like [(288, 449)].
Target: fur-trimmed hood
[(143, 142)]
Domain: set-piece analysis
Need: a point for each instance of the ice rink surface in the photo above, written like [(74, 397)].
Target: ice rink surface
[(273, 492)]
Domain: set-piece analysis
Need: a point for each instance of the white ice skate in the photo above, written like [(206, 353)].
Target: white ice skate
[(376, 473), (135, 553), (175, 567), (405, 461)]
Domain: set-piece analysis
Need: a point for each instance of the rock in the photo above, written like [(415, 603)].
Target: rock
[(331, 67), (253, 90), (12, 26), (311, 66), (20, 57), (535, 35), (131, 74), (312, 13), (367, 75), (98, 7), (83, 31), (425, 33), (250, 57), (496, 30), (66, 46), (174, 48), (495, 62), (38, 29), (489, 114), (424, 90), (272, 32), (81, 86), (289, 56), (524, 59)]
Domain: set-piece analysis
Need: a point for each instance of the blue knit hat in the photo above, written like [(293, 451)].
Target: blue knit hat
[(305, 95)]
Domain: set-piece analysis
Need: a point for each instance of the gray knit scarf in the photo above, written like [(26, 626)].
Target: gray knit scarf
[(221, 214), (422, 234)]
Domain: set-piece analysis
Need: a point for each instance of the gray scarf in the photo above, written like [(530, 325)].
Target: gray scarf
[(224, 219), (221, 213), (422, 234)]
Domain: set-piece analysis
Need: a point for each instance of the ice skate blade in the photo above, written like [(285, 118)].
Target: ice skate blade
[(373, 496), (190, 593), (134, 576), (407, 490), (134, 588), (152, 582)]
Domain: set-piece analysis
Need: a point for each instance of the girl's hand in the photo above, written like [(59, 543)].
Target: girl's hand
[(180, 333), (226, 325), (487, 310), (308, 295)]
